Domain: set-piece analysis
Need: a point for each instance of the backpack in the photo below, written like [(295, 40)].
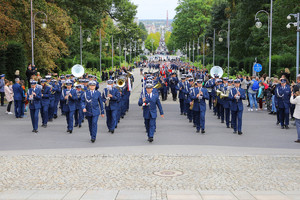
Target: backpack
[(255, 86), (266, 86)]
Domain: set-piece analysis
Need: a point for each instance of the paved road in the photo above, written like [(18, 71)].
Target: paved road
[(259, 130)]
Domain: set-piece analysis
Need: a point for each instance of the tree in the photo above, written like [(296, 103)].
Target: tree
[(143, 31), (155, 37)]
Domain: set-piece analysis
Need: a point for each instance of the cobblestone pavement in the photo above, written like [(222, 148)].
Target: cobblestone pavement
[(125, 172)]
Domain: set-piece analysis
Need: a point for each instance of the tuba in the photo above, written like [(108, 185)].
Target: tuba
[(77, 70), (121, 82), (216, 70)]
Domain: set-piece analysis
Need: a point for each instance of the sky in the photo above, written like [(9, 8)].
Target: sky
[(155, 9)]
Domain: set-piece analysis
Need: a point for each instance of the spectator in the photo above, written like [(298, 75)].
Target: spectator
[(38, 77), (9, 95), (286, 73), (2, 84), (22, 83), (29, 73), (18, 95), (296, 115), (17, 74), (260, 95), (252, 91)]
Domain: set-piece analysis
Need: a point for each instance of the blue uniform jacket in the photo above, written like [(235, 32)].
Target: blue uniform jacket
[(36, 102), (46, 95), (237, 104), (70, 103), (78, 100), (92, 103), (183, 92), (113, 102), (226, 100), (283, 96), (150, 111), (18, 92), (199, 104)]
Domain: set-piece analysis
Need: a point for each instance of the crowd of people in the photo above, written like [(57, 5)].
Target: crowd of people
[(78, 98)]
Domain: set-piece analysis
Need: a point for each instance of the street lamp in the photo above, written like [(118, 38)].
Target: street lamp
[(258, 24), (296, 24), (228, 43), (43, 26), (81, 42), (213, 40)]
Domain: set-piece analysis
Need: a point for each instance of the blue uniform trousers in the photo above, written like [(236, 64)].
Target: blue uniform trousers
[(93, 120), (237, 120), (78, 115), (51, 110), (44, 113), (284, 116), (181, 101), (210, 102), (189, 113), (70, 119), (227, 116), (111, 119), (200, 119), (150, 126), (18, 104), (34, 114), (220, 111), (55, 107)]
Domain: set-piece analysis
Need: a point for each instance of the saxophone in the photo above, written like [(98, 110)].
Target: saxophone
[(107, 98)]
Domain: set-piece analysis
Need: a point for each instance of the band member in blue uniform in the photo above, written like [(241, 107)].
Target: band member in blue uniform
[(199, 95), (189, 112), (237, 95), (46, 92), (283, 95), (111, 97), (209, 85), (57, 88), (34, 96), (18, 95), (92, 106), (69, 98), (78, 112), (227, 102), (173, 81), (182, 92), (149, 102)]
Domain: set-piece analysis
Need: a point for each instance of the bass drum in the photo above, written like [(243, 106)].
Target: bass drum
[(216, 70)]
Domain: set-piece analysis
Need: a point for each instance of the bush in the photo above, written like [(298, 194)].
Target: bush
[(15, 60)]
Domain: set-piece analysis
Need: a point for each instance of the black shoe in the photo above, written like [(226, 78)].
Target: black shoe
[(194, 125), (33, 130), (203, 131), (227, 126), (54, 116), (234, 132), (122, 117), (297, 141), (82, 121), (50, 120), (70, 131), (219, 117), (93, 140), (282, 127), (275, 113), (198, 131), (150, 139), (190, 121), (79, 126), (271, 113), (222, 122), (287, 127), (277, 123), (45, 125), (184, 114), (21, 117), (240, 132), (36, 131), (112, 131), (231, 126), (76, 125), (116, 126)]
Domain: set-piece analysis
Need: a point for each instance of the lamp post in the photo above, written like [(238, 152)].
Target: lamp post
[(193, 51), (213, 40), (81, 42), (228, 43), (258, 24), (198, 48), (204, 51), (296, 24), (100, 44), (43, 26)]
